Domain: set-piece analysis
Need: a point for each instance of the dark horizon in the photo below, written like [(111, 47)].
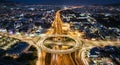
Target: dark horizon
[(67, 2)]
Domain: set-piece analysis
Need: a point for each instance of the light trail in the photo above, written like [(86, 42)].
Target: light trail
[(57, 30)]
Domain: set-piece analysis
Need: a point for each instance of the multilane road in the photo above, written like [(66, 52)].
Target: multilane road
[(60, 59)]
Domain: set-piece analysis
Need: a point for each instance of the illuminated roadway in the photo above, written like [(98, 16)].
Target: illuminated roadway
[(29, 41), (61, 57), (57, 59), (87, 43), (76, 46)]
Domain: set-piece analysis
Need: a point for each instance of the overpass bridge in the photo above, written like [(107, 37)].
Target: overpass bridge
[(57, 26)]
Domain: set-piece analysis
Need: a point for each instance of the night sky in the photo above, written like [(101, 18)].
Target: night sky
[(67, 2)]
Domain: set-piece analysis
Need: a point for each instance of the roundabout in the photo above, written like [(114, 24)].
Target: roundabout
[(60, 44), (58, 47)]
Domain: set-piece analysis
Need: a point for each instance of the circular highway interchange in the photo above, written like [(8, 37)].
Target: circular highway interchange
[(59, 44)]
